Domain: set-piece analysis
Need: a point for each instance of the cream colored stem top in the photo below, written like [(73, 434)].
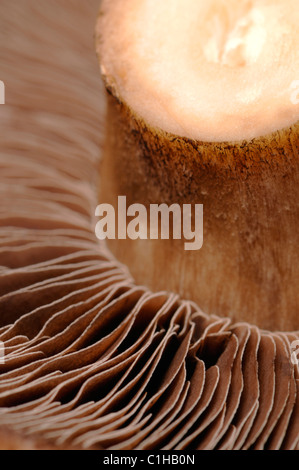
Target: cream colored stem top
[(218, 70)]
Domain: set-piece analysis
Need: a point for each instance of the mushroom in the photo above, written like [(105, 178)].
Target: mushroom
[(92, 359)]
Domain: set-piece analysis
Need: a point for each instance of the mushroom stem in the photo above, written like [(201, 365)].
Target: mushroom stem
[(248, 267), (234, 151)]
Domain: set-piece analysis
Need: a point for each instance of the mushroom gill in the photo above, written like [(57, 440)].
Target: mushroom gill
[(93, 360)]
